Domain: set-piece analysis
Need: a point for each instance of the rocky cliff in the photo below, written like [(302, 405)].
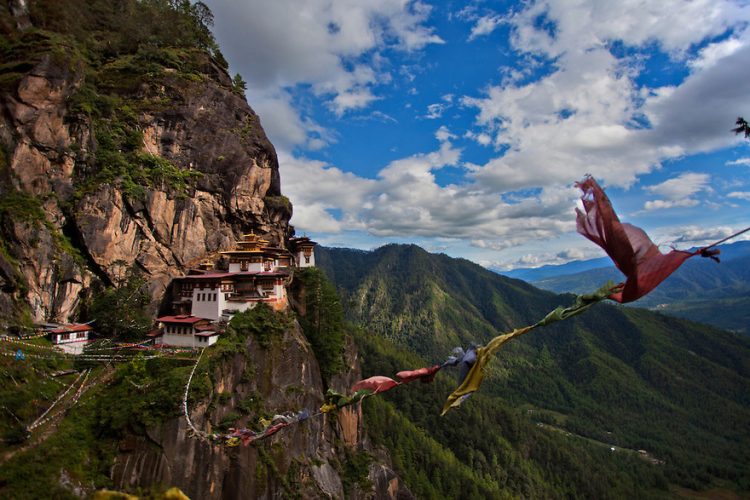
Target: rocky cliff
[(125, 144), (307, 460), (146, 157)]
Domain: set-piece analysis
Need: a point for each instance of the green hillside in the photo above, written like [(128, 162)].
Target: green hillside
[(614, 376), (700, 290)]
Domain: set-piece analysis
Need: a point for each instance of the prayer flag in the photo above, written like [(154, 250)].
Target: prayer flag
[(474, 377), (425, 375), (375, 384), (632, 251)]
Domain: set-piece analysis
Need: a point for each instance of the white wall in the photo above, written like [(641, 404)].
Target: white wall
[(74, 337), (301, 259), (208, 307), (234, 267), (179, 340)]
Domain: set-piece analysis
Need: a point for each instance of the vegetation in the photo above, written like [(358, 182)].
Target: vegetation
[(742, 127), (239, 86), (323, 321), (121, 311), (614, 376), (261, 323)]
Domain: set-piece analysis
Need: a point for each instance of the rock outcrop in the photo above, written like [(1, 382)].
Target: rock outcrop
[(305, 460), (79, 231), (147, 156)]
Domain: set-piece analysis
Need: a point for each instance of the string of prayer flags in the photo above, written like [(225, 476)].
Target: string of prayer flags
[(336, 401), (473, 379), (632, 251), (581, 304), (473, 361)]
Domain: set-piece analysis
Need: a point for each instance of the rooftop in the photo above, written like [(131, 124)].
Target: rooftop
[(74, 327), (182, 318)]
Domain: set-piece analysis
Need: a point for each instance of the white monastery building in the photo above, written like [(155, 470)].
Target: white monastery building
[(254, 272), (186, 331), (72, 338)]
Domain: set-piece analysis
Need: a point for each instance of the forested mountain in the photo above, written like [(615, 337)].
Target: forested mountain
[(619, 376), (699, 290)]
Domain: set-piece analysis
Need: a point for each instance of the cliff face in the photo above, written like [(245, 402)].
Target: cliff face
[(124, 143), (305, 460), (175, 171)]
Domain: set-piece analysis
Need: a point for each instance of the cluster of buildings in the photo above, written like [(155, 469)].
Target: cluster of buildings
[(254, 272)]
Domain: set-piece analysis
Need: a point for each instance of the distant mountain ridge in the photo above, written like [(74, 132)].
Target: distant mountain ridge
[(619, 375), (700, 290), (532, 274)]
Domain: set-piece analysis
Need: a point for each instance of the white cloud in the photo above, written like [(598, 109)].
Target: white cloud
[(443, 134), (740, 161), (541, 258), (405, 200), (712, 53), (587, 115), (697, 236), (351, 99), (678, 191), (740, 195), (682, 186), (674, 24), (435, 111), (280, 45), (480, 138), (485, 25), (661, 204)]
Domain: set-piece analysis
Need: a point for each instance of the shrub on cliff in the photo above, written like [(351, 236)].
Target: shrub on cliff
[(261, 322)]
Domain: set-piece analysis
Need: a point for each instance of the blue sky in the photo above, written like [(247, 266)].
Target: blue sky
[(462, 126)]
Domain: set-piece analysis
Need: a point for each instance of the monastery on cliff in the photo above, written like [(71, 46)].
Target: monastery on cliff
[(257, 272)]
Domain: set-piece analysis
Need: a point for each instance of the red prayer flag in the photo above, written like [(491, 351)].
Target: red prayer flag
[(630, 248), (375, 384), (424, 374)]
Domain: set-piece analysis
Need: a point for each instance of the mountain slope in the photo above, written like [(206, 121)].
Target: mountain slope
[(615, 375), (700, 290)]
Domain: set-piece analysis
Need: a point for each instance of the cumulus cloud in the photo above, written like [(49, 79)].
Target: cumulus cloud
[(697, 236), (538, 259), (406, 200), (661, 204), (334, 47), (588, 114), (678, 191), (682, 186)]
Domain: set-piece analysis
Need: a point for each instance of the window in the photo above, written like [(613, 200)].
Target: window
[(65, 336)]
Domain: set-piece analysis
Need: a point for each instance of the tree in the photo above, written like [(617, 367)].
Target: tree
[(238, 85), (323, 322), (122, 310), (742, 127)]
